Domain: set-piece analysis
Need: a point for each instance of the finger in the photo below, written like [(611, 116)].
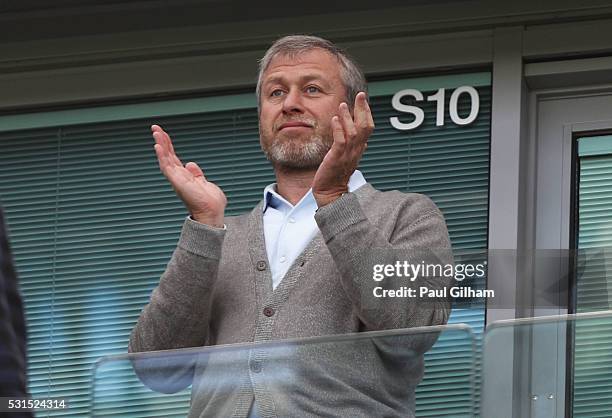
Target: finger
[(339, 138), (161, 159), (363, 115), (195, 169), (159, 140), (168, 142), (364, 125), (348, 125), (162, 152), (369, 117), (359, 111), (158, 135), (165, 141)]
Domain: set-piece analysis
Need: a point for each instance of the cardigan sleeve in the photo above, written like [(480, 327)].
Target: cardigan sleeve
[(419, 236), (177, 315)]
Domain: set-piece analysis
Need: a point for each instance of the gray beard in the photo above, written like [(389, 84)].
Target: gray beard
[(290, 155)]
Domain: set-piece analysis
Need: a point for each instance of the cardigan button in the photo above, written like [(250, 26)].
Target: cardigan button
[(268, 312), (261, 265), (256, 366)]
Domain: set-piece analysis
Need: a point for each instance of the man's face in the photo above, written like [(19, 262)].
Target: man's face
[(299, 97)]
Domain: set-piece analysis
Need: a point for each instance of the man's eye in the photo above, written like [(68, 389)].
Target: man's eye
[(312, 89), (276, 93)]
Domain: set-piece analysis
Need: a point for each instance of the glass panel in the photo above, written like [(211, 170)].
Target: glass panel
[(526, 367), (366, 374)]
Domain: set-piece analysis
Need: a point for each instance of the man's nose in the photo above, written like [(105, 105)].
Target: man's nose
[(293, 102)]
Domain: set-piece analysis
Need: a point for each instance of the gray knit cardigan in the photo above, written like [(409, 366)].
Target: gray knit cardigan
[(217, 289)]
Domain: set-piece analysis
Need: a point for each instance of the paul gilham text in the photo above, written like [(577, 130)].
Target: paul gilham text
[(425, 292)]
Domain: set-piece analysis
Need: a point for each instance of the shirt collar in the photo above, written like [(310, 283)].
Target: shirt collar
[(272, 198)]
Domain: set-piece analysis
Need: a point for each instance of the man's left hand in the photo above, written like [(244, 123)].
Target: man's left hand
[(350, 134)]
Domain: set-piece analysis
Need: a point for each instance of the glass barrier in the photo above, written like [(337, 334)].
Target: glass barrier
[(367, 374), (556, 366)]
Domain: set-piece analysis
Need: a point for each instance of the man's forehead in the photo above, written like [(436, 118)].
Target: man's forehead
[(312, 63)]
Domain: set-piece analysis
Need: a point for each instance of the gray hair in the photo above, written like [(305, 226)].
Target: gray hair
[(291, 46)]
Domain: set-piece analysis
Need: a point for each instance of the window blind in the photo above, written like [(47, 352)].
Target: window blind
[(592, 394), (93, 222)]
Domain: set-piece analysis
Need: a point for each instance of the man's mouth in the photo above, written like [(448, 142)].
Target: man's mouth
[(295, 124)]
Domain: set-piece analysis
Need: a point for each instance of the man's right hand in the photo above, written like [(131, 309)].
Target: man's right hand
[(204, 200)]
